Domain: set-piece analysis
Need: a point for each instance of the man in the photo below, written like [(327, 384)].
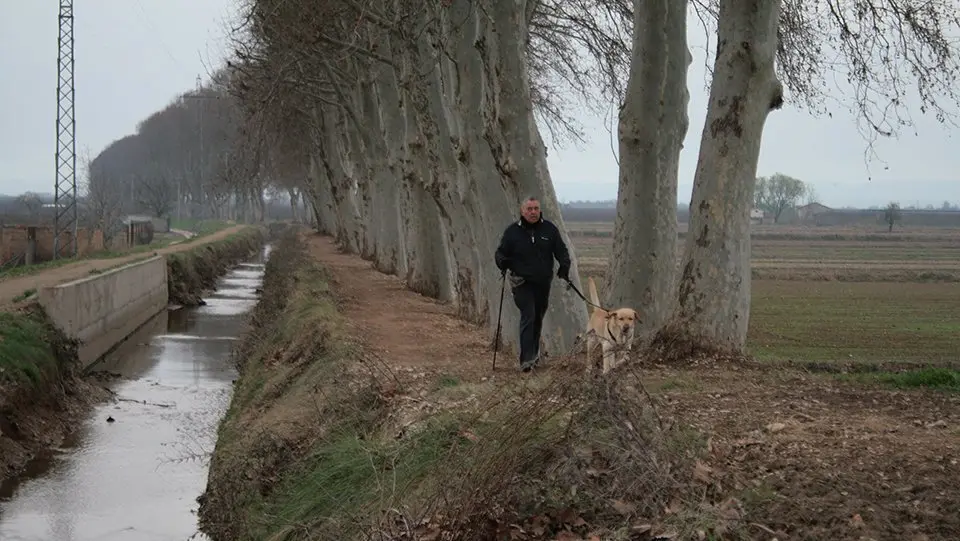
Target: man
[(527, 249)]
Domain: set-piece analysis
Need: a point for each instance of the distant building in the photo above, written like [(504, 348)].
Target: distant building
[(160, 225), (811, 210), (756, 216)]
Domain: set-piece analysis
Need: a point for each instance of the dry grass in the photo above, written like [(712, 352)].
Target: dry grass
[(561, 456)]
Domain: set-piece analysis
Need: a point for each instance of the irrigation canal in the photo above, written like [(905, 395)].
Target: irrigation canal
[(132, 470)]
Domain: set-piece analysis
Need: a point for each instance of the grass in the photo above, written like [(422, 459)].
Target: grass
[(27, 351), (865, 321), (853, 298), (349, 478), (941, 379), (24, 270), (200, 227)]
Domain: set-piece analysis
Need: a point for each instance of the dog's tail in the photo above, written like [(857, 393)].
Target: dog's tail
[(594, 297)]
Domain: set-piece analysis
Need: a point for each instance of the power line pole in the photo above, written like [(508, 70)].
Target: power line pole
[(65, 186)]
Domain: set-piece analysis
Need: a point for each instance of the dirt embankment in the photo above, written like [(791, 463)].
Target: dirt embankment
[(191, 272), (365, 411), (350, 419), (42, 390)]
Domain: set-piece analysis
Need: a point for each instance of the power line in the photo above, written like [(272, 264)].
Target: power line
[(65, 184)]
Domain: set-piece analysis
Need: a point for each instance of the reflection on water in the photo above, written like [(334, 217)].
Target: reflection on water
[(138, 478)]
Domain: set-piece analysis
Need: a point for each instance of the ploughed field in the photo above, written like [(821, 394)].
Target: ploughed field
[(831, 293)]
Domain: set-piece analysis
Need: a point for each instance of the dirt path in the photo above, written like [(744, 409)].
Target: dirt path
[(409, 331), (11, 288), (808, 456)]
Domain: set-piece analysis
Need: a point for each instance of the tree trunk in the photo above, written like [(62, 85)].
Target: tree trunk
[(714, 288), (348, 229), (355, 166), (653, 124), (384, 218), (319, 187), (501, 155), (391, 121), (294, 196)]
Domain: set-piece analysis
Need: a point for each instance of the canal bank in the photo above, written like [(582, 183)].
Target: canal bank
[(133, 468), (43, 389)]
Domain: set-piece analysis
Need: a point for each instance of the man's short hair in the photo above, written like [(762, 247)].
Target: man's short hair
[(530, 198)]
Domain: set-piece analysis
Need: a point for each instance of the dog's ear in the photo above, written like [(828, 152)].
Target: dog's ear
[(636, 315), (611, 315)]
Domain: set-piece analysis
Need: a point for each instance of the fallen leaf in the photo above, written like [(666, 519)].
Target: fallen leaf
[(730, 509), (773, 428), (568, 516), (623, 507), (701, 472), (856, 521)]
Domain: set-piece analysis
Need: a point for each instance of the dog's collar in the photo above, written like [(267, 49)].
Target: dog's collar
[(609, 332)]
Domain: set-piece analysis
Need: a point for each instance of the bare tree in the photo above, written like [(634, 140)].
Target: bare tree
[(892, 215), (760, 43), (408, 160), (32, 203), (156, 192), (653, 124), (102, 199), (777, 193)]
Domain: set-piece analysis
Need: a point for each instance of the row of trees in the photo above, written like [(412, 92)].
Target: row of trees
[(414, 129), (192, 159)]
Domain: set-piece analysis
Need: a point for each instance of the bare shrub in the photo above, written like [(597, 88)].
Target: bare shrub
[(561, 453)]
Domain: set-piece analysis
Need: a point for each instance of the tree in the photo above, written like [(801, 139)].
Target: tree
[(653, 124), (877, 41), (714, 287), (32, 203), (156, 191), (892, 215), (102, 199), (411, 164), (172, 159), (778, 193)]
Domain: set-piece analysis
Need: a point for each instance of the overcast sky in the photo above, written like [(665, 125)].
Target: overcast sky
[(134, 56)]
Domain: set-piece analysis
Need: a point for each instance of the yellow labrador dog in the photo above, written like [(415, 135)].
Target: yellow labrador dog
[(613, 329)]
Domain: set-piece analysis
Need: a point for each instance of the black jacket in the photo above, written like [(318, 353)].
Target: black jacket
[(527, 250)]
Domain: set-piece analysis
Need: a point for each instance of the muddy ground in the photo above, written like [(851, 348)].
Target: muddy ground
[(806, 456), (37, 417)]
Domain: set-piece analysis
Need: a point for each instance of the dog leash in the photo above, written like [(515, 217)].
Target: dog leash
[(579, 294)]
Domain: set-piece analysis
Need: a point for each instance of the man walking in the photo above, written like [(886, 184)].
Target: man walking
[(527, 249)]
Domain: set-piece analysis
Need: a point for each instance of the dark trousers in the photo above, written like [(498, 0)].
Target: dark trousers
[(531, 298)]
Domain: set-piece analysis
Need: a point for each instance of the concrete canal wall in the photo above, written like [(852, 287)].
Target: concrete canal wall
[(104, 309)]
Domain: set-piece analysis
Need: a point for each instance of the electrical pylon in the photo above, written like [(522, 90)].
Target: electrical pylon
[(65, 186)]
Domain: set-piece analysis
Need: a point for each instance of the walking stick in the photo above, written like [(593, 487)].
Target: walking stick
[(496, 340)]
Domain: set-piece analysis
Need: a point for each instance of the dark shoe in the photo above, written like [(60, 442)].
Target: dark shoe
[(529, 365)]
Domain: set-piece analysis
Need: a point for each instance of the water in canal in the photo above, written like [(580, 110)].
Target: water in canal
[(137, 478)]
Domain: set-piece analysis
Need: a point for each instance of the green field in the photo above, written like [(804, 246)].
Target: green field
[(829, 294)]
